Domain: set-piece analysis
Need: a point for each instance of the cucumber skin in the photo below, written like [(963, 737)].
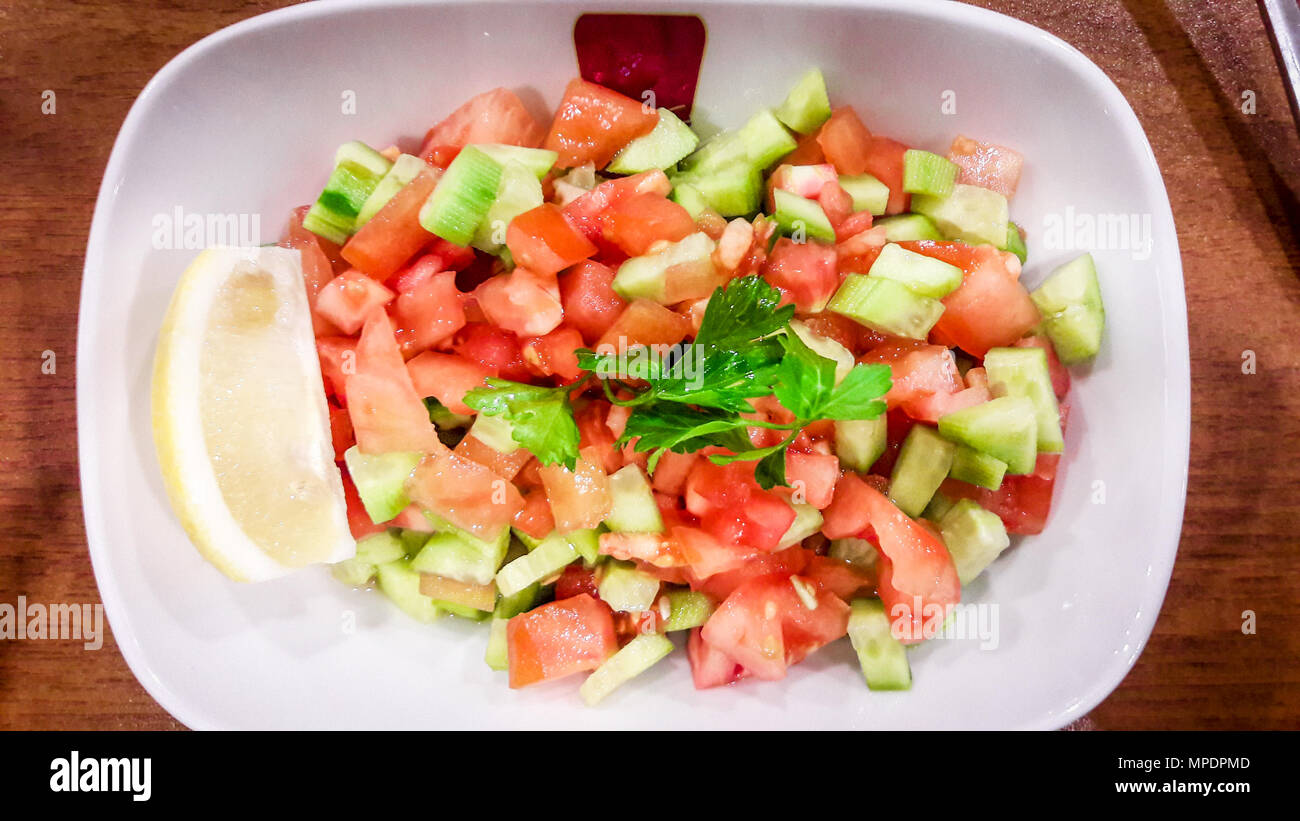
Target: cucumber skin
[(792, 209), (885, 306), (923, 463), (1004, 428)]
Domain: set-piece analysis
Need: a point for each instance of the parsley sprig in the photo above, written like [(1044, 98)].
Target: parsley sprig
[(699, 394)]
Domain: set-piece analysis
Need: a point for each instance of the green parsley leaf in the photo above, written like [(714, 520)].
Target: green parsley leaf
[(684, 429), (806, 379), (747, 309), (541, 418), (858, 396)]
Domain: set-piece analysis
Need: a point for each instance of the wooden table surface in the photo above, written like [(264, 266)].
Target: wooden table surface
[(1189, 68)]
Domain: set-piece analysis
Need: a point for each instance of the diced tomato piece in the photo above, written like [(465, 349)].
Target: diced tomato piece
[(337, 362), (846, 516), (1059, 373), (558, 639), (671, 472), (898, 425), (394, 234), (812, 476), (845, 141), (918, 581), (733, 508), (857, 338), (522, 302), (854, 225), (991, 308), (542, 240), (575, 580), (918, 370), (593, 123), (467, 494), (429, 313), (595, 439), (447, 378), (705, 555), (655, 549), (765, 626), (845, 580), (535, 518), (636, 222), (496, 349), (645, 322), (496, 116), (837, 204), (710, 667), (359, 523), (316, 269), (387, 412), (590, 303), (505, 465), (579, 498), (585, 211), (555, 354), (804, 272), (347, 299), (931, 407), (885, 163), (987, 165), (1022, 502), (784, 562), (341, 431), (805, 180), (412, 518)]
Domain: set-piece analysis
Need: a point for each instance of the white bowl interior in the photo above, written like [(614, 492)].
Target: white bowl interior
[(247, 121)]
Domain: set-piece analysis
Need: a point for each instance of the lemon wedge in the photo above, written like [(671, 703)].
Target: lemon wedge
[(240, 420)]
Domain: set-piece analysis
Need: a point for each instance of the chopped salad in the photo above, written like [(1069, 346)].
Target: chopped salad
[(597, 381)]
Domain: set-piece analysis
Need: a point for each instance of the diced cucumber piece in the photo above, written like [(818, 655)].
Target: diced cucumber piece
[(669, 141), (1073, 315), (923, 463), (859, 443), (353, 572), (858, 552), (401, 584), (497, 655), (1015, 243), (463, 196), (868, 193), (1005, 428), (404, 169), (970, 214), (381, 480), (519, 602), (687, 609), (633, 507), (908, 228), (724, 150), (796, 215), (412, 540), (538, 161), (807, 521), (495, 431), (827, 347), (517, 191), (627, 589), (979, 469), (807, 105), (358, 169), (882, 657), (1023, 372), (735, 190), (459, 555), (923, 275), (690, 198), (371, 551), (527, 541), (927, 173), (939, 505), (974, 537), (886, 306), (586, 542), (765, 139), (547, 559), (637, 656), (646, 276)]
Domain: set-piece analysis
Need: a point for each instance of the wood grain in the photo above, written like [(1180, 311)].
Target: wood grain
[(1232, 178)]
